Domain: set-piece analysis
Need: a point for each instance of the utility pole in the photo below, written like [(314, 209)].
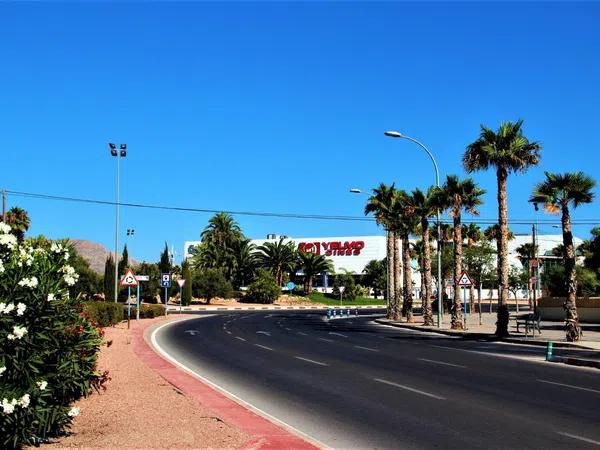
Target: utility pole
[(4, 205), (535, 265)]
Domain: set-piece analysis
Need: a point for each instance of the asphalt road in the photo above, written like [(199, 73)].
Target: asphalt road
[(351, 383)]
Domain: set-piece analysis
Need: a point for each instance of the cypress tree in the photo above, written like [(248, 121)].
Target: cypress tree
[(109, 278), (165, 260), (187, 287)]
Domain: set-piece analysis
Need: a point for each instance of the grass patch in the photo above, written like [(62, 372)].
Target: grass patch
[(330, 300)]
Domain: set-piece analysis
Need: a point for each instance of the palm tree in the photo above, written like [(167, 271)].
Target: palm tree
[(473, 234), (19, 222), (277, 257), (244, 261), (217, 249), (557, 193), (457, 195), (312, 264), (526, 253), (404, 223), (222, 229), (507, 150), (424, 206), (381, 205)]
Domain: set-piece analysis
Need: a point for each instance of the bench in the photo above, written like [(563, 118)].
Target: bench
[(530, 321)]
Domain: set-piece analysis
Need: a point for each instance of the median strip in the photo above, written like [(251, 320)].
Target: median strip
[(569, 386), (408, 388), (311, 361)]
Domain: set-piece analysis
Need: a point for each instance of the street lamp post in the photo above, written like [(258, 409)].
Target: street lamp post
[(396, 134), (121, 153)]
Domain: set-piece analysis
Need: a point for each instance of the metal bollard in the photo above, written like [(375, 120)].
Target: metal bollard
[(356, 312), (348, 313), (328, 314), (549, 351)]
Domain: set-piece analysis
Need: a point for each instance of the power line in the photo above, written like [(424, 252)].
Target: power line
[(274, 214)]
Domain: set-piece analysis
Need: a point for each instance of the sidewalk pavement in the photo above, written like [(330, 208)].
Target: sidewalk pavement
[(552, 331)]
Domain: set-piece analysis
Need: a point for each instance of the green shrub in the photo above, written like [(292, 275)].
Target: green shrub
[(350, 291), (48, 349), (146, 312), (210, 283), (105, 314), (263, 289)]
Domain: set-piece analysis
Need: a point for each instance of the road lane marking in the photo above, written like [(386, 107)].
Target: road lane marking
[(569, 386), (240, 338), (441, 362), (366, 348), (227, 331), (229, 394), (288, 329), (266, 333), (311, 361), (326, 340), (301, 333), (580, 438), (408, 388), (264, 346), (338, 334)]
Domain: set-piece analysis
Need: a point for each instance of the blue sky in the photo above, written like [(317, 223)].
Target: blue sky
[(281, 107)]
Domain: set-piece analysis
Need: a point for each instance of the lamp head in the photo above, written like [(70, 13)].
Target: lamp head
[(394, 134), (355, 191)]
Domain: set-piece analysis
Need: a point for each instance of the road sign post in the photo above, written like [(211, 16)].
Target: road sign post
[(341, 288), (138, 295), (129, 279), (180, 282), (464, 282), (165, 282)]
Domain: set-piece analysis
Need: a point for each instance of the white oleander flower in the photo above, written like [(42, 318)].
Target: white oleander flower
[(9, 307), (42, 384), (1, 266), (66, 255), (2, 306), (29, 282), (68, 270), (18, 333), (4, 228), (24, 401), (56, 248), (21, 307), (8, 240), (50, 297), (2, 370), (9, 407), (74, 411)]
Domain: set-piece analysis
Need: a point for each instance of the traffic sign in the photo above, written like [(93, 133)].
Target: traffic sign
[(291, 285), (129, 279), (464, 280), (180, 282), (142, 277), (165, 280)]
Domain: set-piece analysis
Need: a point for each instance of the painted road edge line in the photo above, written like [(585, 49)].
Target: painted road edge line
[(311, 361), (366, 348), (579, 438), (441, 362), (408, 388), (265, 347), (569, 386), (163, 353)]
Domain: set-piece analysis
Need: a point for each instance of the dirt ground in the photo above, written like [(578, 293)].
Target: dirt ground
[(140, 409)]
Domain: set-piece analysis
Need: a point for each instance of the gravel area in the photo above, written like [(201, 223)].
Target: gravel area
[(140, 409)]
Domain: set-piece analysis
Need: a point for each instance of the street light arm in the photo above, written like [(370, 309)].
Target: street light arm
[(435, 166)]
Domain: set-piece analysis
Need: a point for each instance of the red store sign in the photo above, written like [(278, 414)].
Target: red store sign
[(332, 248)]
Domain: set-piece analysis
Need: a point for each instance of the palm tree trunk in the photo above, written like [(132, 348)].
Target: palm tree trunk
[(572, 327), (397, 273), (308, 288), (393, 311), (426, 305), (457, 315), (407, 306), (502, 322)]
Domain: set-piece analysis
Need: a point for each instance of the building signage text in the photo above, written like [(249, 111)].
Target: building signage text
[(339, 248)]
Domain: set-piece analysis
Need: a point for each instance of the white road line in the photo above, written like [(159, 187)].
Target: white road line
[(408, 388), (227, 331), (266, 333), (326, 340), (338, 334), (288, 329), (301, 333), (240, 338), (311, 361), (227, 393), (569, 386), (366, 348), (580, 438), (441, 362), (264, 346)]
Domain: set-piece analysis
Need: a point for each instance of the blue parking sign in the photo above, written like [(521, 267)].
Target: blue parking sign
[(165, 280)]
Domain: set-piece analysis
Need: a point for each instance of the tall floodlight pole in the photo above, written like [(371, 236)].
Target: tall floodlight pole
[(118, 154), (396, 134)]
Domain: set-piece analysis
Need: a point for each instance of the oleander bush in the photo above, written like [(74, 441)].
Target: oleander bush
[(48, 349), (146, 311), (263, 289), (104, 314)]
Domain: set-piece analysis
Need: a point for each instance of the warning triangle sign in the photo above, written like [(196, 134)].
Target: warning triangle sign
[(464, 280), (129, 279)]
